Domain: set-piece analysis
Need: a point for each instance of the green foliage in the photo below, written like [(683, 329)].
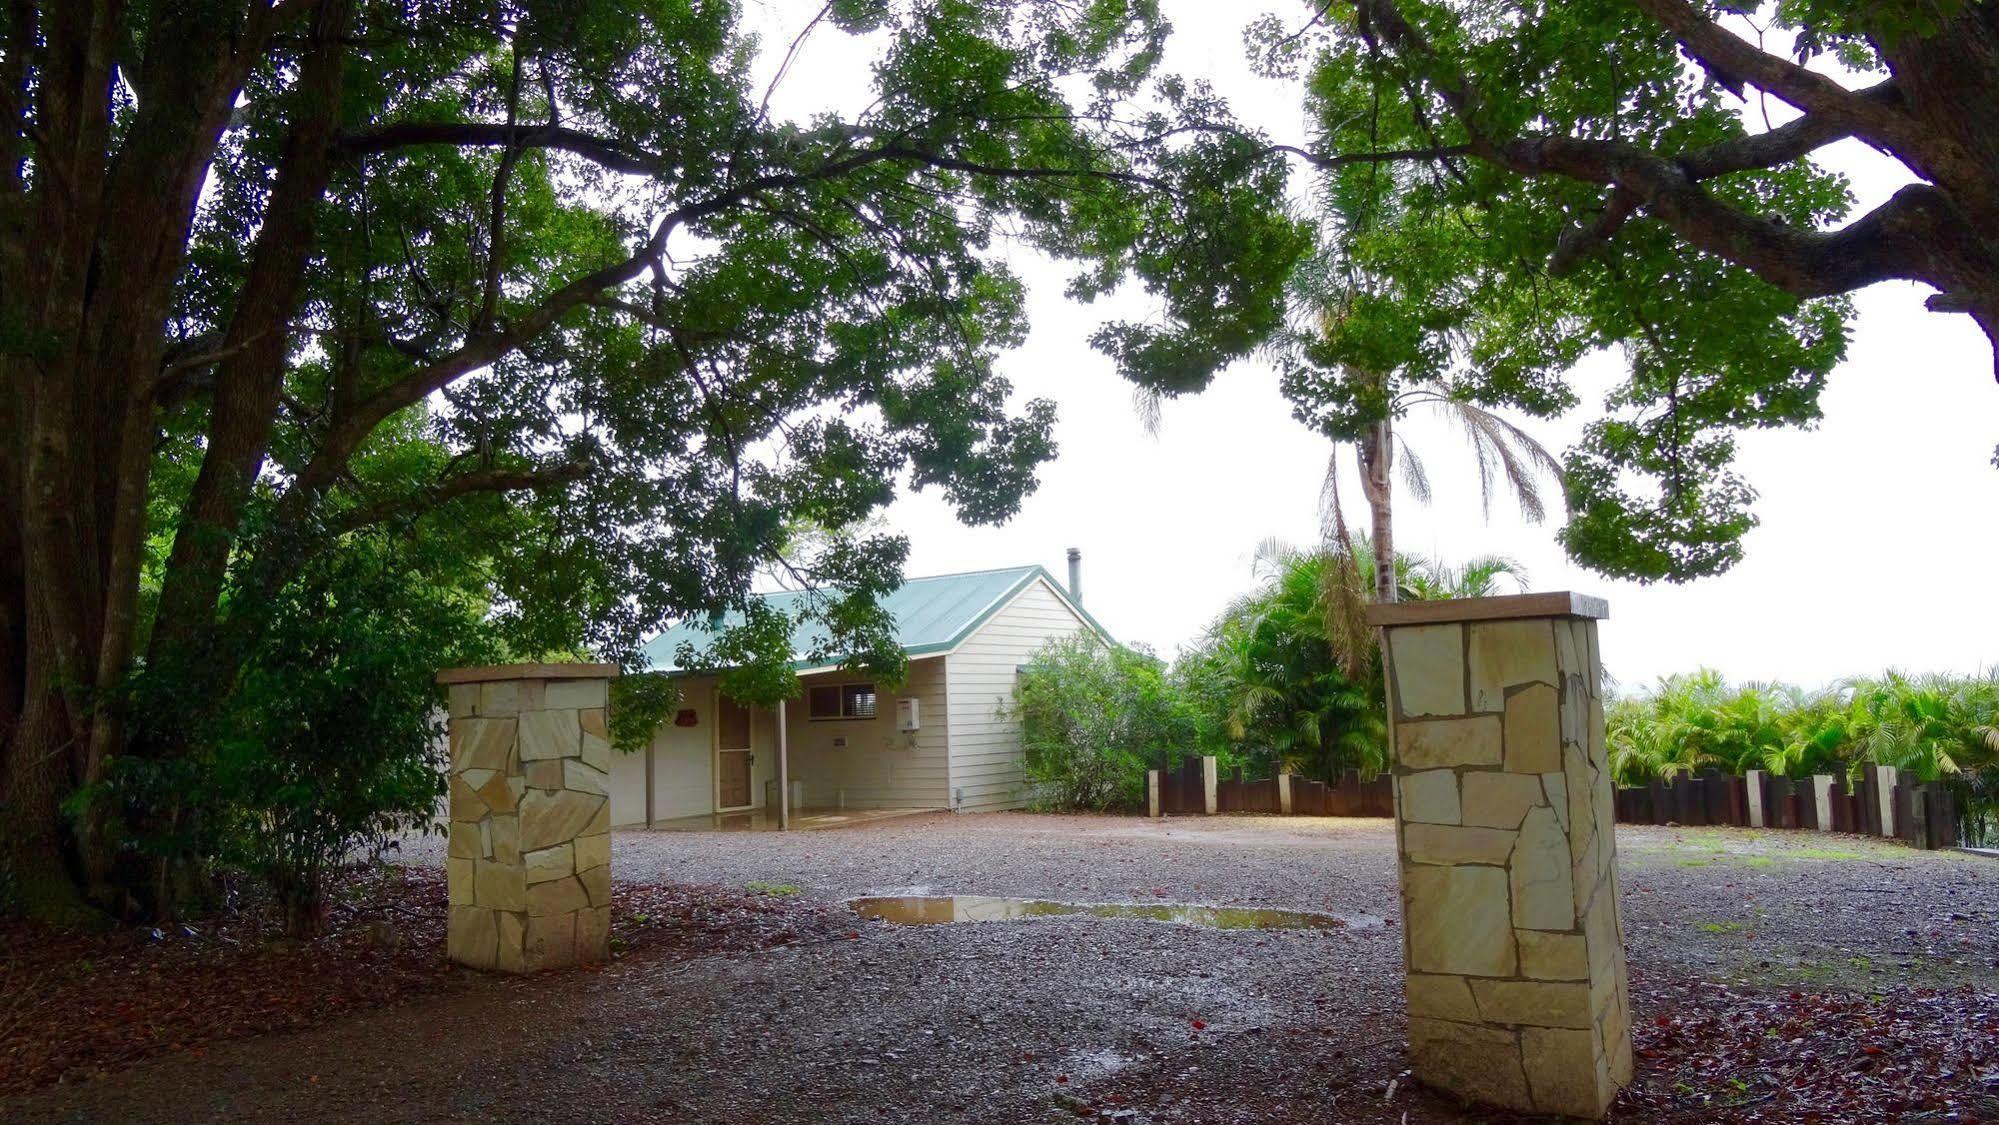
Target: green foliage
[(1094, 719), (1266, 689), (1269, 672), (1932, 727), (641, 702), (1446, 267), (330, 745)]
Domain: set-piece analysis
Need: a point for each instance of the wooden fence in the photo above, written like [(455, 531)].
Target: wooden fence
[(1350, 796), (1923, 814), (1183, 791)]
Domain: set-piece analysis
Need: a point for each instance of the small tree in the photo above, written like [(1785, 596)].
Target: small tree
[(1094, 718), (330, 746)]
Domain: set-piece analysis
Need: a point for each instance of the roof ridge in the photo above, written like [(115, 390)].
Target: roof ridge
[(933, 612)]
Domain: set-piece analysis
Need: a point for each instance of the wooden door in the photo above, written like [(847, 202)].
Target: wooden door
[(733, 754)]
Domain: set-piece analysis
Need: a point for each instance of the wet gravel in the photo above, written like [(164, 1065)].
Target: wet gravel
[(1058, 1018)]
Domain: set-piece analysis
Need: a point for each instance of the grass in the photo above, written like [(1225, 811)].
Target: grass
[(1706, 847), (1823, 853), (782, 890)]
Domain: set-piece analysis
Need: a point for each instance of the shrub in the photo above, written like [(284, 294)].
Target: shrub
[(1094, 719), (1934, 728), (1270, 684), (325, 750)]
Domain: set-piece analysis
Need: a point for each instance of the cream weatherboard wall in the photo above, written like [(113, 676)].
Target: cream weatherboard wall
[(879, 767), (683, 762), (987, 770)]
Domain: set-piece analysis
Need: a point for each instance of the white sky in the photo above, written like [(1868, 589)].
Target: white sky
[(1876, 526)]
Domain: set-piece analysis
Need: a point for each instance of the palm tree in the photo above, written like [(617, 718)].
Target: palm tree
[(1931, 726), (1505, 454), (1354, 578), (1284, 698)]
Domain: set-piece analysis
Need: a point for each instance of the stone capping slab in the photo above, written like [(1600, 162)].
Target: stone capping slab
[(485, 672), (1563, 603)]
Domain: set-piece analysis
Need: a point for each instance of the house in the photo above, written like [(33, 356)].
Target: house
[(939, 740)]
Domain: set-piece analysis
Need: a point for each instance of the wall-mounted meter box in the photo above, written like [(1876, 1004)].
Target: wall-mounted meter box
[(906, 717)]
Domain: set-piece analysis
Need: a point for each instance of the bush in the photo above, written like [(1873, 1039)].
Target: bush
[(1934, 728), (1094, 719), (326, 748), (1269, 686)]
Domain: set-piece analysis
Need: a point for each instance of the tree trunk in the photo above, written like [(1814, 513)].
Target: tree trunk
[(93, 247), (250, 377), (1376, 454)]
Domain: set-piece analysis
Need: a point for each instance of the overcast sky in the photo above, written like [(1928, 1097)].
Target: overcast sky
[(1880, 528)]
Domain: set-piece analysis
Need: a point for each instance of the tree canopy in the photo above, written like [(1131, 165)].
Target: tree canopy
[(1509, 186), (284, 279)]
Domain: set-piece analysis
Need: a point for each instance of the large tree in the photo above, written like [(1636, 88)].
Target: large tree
[(347, 266), (1645, 174)]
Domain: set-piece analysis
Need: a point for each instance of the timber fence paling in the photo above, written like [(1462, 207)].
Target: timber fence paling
[(1310, 797), (1177, 793), (1241, 794), (1924, 814), (1182, 793), (1189, 794)]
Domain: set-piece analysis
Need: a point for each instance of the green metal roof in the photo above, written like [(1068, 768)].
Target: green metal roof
[(932, 615)]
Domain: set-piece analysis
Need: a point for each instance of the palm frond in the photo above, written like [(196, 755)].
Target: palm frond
[(1414, 477), (1150, 406), (1503, 451)]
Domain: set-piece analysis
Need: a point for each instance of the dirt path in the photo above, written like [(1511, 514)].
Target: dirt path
[(1056, 1018)]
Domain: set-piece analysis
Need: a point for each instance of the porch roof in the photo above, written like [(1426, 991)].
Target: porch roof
[(932, 615)]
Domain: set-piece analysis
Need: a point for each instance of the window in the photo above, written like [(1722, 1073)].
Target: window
[(857, 701), (841, 701)]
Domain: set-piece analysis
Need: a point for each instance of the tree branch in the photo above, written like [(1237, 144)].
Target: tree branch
[(1895, 240), (1579, 242), (1733, 61), (605, 152), (1781, 145), (1888, 242), (464, 484)]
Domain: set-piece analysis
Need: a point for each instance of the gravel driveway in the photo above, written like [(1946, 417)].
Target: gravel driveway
[(1052, 1019)]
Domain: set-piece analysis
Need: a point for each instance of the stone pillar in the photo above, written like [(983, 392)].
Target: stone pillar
[(1284, 792), (1504, 824), (1209, 780), (1152, 808), (1754, 782), (529, 862)]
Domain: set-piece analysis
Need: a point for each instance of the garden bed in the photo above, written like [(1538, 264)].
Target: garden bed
[(74, 1005)]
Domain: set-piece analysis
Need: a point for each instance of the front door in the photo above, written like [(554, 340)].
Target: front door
[(733, 754)]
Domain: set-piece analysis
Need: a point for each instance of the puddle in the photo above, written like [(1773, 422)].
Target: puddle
[(930, 910)]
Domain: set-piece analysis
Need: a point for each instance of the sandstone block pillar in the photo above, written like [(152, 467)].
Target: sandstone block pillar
[(529, 860), (1210, 782), (1512, 942), (1755, 784)]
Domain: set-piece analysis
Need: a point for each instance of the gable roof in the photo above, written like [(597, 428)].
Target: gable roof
[(932, 615)]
